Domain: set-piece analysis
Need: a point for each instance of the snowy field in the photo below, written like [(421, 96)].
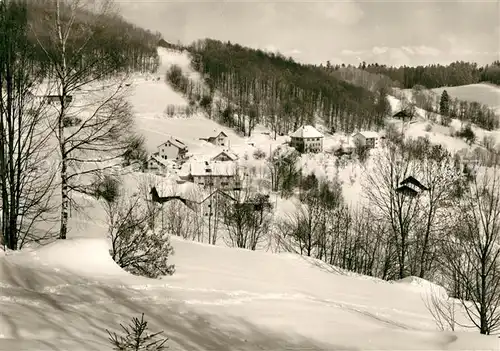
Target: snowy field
[(487, 94), (65, 295)]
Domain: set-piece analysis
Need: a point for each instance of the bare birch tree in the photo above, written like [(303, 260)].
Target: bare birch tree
[(25, 169), (75, 47)]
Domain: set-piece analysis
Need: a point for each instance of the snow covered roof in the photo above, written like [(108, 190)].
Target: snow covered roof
[(200, 169), (175, 142), (160, 160), (306, 132), (224, 134), (368, 134), (229, 154), (188, 190)]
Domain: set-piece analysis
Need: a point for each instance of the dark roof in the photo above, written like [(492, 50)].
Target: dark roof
[(412, 180), (403, 113), (406, 190)]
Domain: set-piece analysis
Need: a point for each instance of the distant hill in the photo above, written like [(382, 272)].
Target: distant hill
[(268, 88), (487, 94)]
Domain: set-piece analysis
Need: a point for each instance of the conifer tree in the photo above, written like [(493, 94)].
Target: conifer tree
[(444, 104)]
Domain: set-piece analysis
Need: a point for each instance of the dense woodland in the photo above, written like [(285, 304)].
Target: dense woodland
[(126, 45), (249, 86), (280, 92)]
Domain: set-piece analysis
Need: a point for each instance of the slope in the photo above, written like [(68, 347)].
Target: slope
[(487, 94), (64, 296)]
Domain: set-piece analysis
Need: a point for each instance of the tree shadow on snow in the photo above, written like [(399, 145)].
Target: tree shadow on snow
[(75, 317)]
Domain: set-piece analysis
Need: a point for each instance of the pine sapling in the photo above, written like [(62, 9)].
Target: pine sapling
[(136, 337)]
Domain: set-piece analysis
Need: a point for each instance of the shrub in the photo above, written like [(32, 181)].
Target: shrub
[(259, 154), (206, 102), (107, 188), (468, 134), (136, 152), (136, 245)]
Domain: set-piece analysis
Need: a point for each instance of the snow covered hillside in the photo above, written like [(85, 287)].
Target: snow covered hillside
[(64, 296), (487, 94)]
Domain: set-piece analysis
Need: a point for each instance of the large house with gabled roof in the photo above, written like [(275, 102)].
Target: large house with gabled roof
[(172, 149), (368, 139), (307, 139), (222, 175)]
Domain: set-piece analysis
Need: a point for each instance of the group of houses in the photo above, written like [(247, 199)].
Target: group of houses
[(308, 139), (219, 171)]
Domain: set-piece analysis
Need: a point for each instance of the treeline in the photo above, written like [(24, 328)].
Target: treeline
[(260, 87), (436, 75), (373, 77), (130, 47)]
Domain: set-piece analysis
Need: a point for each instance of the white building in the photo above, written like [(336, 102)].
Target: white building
[(220, 139), (221, 175), (172, 149), (307, 139), (366, 138), (156, 163)]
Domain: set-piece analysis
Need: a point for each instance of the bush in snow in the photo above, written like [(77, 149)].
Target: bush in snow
[(134, 245), (176, 78), (107, 188), (259, 154), (468, 134), (136, 338)]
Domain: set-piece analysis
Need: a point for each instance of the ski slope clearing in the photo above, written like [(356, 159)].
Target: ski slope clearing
[(64, 296), (487, 94)]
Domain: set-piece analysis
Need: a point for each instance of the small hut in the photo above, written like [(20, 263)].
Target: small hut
[(411, 187)]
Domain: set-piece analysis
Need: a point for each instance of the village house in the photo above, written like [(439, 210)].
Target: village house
[(225, 156), (172, 149), (411, 187), (367, 138), (221, 175), (307, 139), (405, 114), (220, 139), (156, 163)]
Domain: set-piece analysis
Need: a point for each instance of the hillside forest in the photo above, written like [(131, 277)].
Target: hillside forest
[(249, 86)]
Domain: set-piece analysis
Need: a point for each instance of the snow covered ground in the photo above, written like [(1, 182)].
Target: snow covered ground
[(63, 296)]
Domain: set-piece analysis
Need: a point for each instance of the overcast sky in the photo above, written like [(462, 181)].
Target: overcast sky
[(391, 32)]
